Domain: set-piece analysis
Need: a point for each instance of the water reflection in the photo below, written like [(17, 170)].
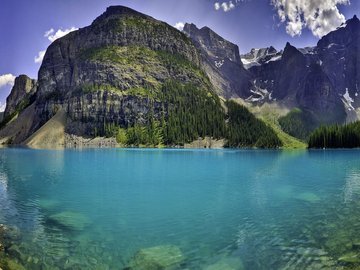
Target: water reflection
[(352, 186)]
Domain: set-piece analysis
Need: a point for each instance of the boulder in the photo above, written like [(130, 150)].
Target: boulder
[(71, 220), (226, 264), (157, 258)]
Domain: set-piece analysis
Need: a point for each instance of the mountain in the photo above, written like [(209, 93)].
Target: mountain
[(322, 81), (257, 57), (23, 89), (221, 61), (132, 77)]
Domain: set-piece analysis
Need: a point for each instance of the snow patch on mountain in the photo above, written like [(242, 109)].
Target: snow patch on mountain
[(347, 100), (257, 57)]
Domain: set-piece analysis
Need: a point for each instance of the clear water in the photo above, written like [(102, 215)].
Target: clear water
[(224, 209)]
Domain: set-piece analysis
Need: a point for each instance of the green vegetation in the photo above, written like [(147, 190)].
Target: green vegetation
[(136, 91), (298, 123), (136, 62), (189, 113), (270, 116), (19, 108), (335, 136), (192, 112), (189, 110), (245, 130)]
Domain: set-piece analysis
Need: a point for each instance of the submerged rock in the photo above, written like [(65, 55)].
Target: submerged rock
[(48, 204), (350, 258), (70, 220), (226, 264), (308, 197), (157, 258), (9, 234), (13, 265)]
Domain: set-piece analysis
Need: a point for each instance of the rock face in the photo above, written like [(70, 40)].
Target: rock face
[(257, 57), (221, 61), (107, 72), (20, 94), (165, 257), (323, 80)]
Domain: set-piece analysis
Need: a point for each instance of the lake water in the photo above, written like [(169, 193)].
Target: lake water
[(183, 209)]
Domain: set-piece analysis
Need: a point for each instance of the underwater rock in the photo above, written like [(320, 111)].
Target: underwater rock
[(350, 258), (356, 245), (71, 220), (157, 258), (226, 264), (13, 265), (14, 251), (48, 204), (8, 235), (308, 197)]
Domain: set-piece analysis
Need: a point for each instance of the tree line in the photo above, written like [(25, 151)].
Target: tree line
[(190, 112), (336, 136)]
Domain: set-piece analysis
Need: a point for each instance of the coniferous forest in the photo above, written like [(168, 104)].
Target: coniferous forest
[(196, 114), (336, 136)]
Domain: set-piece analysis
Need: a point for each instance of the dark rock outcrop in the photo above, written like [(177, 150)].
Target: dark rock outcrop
[(93, 73), (323, 80), (21, 92), (221, 61)]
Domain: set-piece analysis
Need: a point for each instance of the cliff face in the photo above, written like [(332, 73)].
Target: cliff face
[(19, 97), (221, 61), (113, 71), (323, 80)]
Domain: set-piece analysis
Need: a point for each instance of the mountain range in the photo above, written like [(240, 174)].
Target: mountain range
[(131, 77)]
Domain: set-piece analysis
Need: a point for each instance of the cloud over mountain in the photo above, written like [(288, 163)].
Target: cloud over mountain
[(320, 16), (7, 79), (52, 35)]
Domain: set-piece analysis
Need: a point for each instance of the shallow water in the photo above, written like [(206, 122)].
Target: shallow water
[(223, 209)]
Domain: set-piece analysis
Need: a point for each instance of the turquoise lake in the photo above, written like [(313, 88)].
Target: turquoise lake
[(215, 209)]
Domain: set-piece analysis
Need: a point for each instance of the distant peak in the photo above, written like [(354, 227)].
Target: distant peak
[(272, 50), (114, 11), (291, 51), (353, 20), (190, 26)]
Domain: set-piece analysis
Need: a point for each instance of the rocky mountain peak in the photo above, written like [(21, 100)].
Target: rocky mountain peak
[(215, 45), (290, 52), (119, 11), (354, 20), (344, 35), (23, 87), (257, 57)]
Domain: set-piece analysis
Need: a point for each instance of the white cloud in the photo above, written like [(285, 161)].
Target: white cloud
[(2, 107), (7, 79), (179, 26), (52, 35), (227, 5), (39, 58), (49, 32), (320, 16)]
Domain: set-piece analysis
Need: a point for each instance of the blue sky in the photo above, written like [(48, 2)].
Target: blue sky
[(248, 23)]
